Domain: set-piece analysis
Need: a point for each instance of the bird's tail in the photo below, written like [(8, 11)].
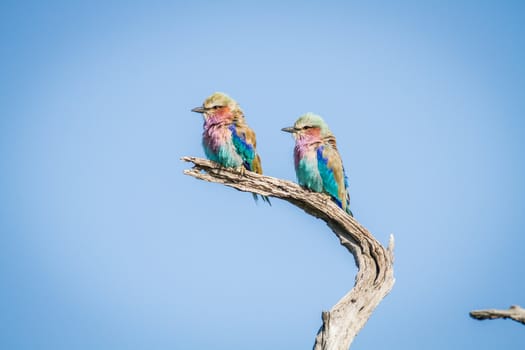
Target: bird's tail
[(264, 198)]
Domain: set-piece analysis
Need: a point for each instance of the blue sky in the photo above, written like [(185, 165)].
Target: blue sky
[(106, 244)]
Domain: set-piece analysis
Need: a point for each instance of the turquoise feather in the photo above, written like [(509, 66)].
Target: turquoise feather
[(318, 165), (226, 137)]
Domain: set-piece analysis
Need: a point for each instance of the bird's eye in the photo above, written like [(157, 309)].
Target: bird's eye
[(306, 127), (216, 107)]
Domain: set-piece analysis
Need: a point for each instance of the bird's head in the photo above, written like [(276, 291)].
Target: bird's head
[(218, 104), (309, 126)]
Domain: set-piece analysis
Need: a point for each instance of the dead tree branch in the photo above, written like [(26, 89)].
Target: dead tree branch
[(515, 313), (375, 276)]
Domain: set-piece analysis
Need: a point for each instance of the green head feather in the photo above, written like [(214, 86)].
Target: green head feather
[(311, 120)]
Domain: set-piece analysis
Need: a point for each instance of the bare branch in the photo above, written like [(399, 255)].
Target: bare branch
[(515, 312), (375, 277)]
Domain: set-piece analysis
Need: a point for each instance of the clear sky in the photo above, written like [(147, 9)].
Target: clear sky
[(105, 244)]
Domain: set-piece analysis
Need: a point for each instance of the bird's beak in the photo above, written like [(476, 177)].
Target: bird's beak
[(198, 110), (289, 129)]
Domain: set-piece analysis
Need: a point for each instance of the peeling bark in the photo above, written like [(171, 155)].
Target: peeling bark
[(375, 276)]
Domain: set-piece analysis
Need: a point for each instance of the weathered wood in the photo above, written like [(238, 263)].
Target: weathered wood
[(515, 312), (375, 276)]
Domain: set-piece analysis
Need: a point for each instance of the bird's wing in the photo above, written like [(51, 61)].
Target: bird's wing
[(331, 171), (243, 139), (256, 165), (244, 142)]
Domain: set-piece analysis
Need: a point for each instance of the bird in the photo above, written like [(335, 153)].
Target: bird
[(226, 138), (318, 164)]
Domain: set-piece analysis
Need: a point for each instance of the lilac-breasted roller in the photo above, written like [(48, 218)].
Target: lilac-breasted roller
[(318, 165), (226, 138)]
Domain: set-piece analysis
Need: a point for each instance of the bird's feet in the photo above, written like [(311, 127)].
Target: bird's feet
[(241, 169)]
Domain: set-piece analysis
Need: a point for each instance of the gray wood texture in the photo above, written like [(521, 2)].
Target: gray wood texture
[(375, 276), (515, 313)]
